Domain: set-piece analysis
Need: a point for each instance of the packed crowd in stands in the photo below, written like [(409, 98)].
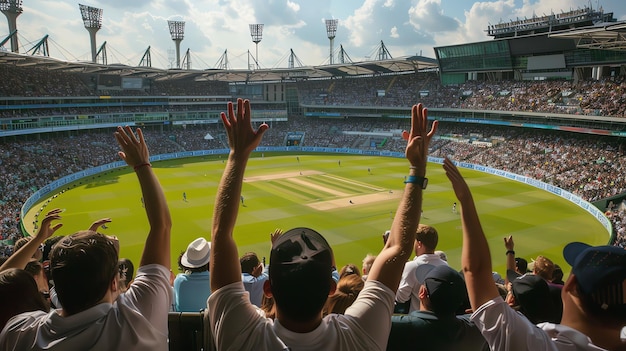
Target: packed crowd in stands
[(589, 166), (586, 97), (300, 300), (604, 97)]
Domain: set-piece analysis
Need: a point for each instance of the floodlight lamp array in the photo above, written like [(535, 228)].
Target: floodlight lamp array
[(331, 28), (177, 29), (256, 31), (13, 6), (92, 16)]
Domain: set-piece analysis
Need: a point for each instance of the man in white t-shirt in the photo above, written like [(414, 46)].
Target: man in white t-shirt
[(84, 267), (301, 263), (426, 239), (594, 295)]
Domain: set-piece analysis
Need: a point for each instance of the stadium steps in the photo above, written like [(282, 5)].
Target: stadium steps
[(331, 87), (391, 83)]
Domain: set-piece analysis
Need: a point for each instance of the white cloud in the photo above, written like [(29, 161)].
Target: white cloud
[(359, 22), (427, 16), (394, 32), (293, 6)]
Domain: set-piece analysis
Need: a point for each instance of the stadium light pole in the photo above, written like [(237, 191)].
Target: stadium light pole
[(12, 9), (256, 31), (177, 31), (331, 30), (92, 19)]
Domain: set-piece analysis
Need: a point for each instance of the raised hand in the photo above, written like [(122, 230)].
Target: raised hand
[(461, 190), (134, 149), (419, 138), (46, 229), (508, 243), (242, 138), (97, 223), (275, 234)]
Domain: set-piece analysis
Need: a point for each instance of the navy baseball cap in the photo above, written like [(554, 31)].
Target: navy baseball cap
[(600, 272), (445, 286)]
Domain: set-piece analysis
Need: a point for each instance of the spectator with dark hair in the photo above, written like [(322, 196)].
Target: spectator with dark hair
[(557, 277), (592, 317), (192, 286), (19, 291), (436, 326), (301, 262), (521, 265), (35, 268), (253, 275), (426, 239), (95, 315), (18, 294)]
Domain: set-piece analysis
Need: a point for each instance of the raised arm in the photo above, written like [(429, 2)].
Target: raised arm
[(388, 265), (135, 153), (242, 139), (475, 255), (509, 245), (20, 258)]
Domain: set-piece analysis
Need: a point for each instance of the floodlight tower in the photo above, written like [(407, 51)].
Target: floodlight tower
[(12, 9), (177, 31), (331, 30), (92, 19), (256, 31)]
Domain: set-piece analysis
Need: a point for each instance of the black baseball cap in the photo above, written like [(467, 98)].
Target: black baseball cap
[(300, 246), (445, 286), (532, 294)]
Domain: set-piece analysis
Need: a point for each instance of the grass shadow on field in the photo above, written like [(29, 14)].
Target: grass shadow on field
[(98, 181)]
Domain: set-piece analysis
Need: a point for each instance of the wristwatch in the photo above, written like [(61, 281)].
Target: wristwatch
[(421, 181)]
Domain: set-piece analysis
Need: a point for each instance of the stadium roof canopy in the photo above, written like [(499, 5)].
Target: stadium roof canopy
[(606, 36), (397, 65)]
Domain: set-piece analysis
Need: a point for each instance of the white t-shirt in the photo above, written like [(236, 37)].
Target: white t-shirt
[(507, 330), (137, 320), (409, 286), (237, 325)]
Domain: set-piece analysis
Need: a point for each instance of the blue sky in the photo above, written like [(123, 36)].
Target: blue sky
[(407, 27)]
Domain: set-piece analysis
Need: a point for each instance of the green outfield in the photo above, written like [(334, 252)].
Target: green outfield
[(285, 191)]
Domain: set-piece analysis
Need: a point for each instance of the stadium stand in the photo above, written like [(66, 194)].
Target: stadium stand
[(42, 108), (587, 165)]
